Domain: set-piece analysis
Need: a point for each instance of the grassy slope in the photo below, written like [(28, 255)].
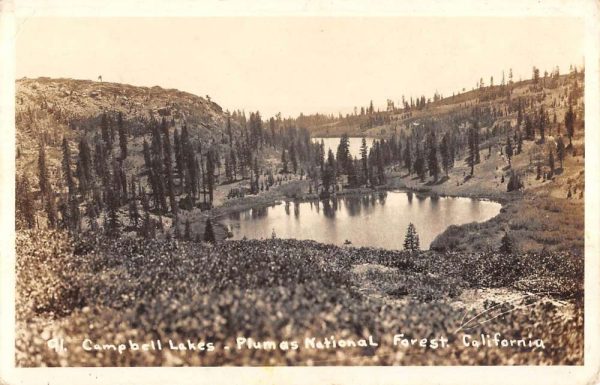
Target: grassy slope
[(112, 291), (539, 217)]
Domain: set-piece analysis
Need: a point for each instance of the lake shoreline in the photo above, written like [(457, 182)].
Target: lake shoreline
[(518, 213), (276, 197)]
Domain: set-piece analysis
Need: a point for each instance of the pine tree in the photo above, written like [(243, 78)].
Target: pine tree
[(106, 136), (176, 230), (24, 204), (168, 167), (473, 146), (229, 132), (112, 224), (84, 167), (119, 182), (433, 165), (321, 155), (100, 162), (352, 176), (233, 164), (149, 163), (44, 182), (293, 158), (66, 167), (560, 151), (551, 163), (329, 175), (408, 157), (509, 150), (343, 154), (284, 162), (570, 124), (188, 165), (380, 164), (364, 161), (506, 244), (134, 213), (187, 235), (542, 124), (74, 213), (210, 174), (122, 136), (514, 183), (411, 240), (180, 169), (476, 142), (228, 172), (147, 224), (529, 133), (419, 165), (63, 209), (50, 208), (209, 233), (445, 153), (536, 75)]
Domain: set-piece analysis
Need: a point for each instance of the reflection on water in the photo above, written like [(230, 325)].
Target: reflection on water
[(379, 219)]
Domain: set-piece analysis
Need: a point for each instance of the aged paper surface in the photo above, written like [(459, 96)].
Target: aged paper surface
[(299, 192)]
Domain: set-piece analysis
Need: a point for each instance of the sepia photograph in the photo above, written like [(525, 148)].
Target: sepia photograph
[(299, 191)]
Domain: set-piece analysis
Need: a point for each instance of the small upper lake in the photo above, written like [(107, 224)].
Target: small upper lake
[(379, 219), (354, 145)]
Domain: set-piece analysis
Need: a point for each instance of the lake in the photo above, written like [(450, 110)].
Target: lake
[(354, 145), (379, 219)]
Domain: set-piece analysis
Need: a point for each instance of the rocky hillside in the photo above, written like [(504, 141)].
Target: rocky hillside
[(55, 108)]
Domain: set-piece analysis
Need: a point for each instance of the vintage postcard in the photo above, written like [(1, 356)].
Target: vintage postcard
[(356, 194)]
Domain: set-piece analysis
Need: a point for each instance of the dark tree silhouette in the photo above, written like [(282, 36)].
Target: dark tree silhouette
[(507, 244), (44, 182), (432, 158), (209, 233), (84, 167), (24, 204), (284, 162), (66, 167), (514, 183), (551, 163), (473, 143), (364, 161), (411, 240), (445, 153), (187, 235), (509, 150), (122, 136), (560, 151), (570, 124), (168, 167)]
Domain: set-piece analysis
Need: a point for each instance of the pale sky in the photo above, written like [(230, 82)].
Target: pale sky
[(303, 64)]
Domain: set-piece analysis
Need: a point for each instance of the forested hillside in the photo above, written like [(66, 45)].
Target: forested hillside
[(125, 159), (87, 152)]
